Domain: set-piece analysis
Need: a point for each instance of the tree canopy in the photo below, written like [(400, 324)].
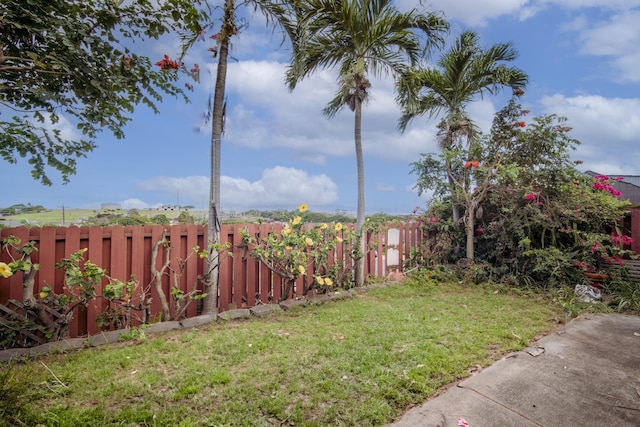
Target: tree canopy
[(75, 64)]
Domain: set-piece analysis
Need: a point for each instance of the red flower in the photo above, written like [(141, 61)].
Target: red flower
[(521, 124), (167, 64), (472, 163), (518, 92), (530, 197), (480, 230)]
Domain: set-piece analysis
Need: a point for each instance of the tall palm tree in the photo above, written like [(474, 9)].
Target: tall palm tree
[(279, 13), (462, 73), (360, 38)]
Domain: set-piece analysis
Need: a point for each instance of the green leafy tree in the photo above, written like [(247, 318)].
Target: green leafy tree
[(361, 38), (185, 218), (463, 72), (161, 219), (77, 61)]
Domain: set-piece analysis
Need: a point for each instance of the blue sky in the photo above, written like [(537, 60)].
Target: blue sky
[(582, 58)]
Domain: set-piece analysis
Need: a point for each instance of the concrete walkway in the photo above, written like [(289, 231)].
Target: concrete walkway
[(586, 375)]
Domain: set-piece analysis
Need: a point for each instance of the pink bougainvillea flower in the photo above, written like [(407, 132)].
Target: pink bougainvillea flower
[(461, 421), (480, 230), (432, 218), (530, 197), (620, 239)]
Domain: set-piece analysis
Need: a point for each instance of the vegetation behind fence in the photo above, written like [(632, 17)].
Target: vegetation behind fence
[(127, 251)]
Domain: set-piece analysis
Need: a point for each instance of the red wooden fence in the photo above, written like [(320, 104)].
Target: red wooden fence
[(127, 251)]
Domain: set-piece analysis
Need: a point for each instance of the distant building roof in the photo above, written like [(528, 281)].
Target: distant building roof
[(629, 186)]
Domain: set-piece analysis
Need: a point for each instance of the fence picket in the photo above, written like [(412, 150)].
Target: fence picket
[(126, 251)]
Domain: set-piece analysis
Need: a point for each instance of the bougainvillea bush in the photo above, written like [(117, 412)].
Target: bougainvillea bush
[(543, 222)]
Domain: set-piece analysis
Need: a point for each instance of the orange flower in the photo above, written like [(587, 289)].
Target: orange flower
[(472, 163)]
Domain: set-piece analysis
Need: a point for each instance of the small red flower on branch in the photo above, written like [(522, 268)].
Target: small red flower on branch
[(521, 124), (472, 163), (168, 64)]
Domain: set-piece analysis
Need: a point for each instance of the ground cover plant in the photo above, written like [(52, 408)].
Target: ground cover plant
[(360, 361)]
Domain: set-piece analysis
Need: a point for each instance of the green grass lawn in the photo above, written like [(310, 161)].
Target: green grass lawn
[(357, 362)]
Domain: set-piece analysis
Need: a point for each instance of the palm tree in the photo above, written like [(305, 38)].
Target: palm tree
[(361, 38), (276, 12), (464, 72)]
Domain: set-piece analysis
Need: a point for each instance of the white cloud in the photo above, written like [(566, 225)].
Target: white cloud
[(607, 127), (471, 13), (267, 115), (67, 131), (385, 188), (136, 204), (277, 187), (477, 13), (618, 38)]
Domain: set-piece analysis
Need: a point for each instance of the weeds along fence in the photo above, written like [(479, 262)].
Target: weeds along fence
[(127, 251)]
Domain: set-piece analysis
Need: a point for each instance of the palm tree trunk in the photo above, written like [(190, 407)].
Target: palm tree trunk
[(209, 305), (360, 237)]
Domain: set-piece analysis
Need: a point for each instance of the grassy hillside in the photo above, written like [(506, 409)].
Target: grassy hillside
[(74, 216)]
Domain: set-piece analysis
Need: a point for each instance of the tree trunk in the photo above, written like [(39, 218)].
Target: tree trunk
[(28, 283), (157, 274), (454, 199), (360, 215), (470, 228), (212, 276)]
